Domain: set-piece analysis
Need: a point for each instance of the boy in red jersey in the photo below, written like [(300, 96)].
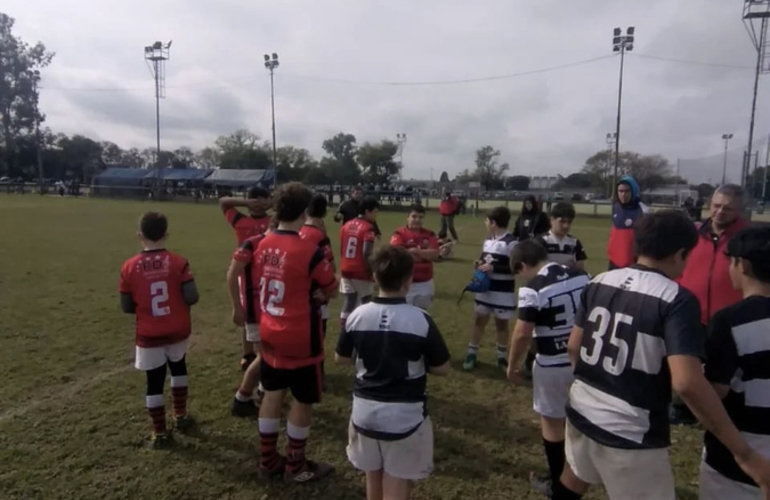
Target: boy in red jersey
[(356, 245), (291, 272), (245, 227), (423, 246), (158, 287), (314, 230)]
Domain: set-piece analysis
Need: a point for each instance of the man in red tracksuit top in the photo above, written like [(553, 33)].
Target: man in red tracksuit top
[(627, 208), (448, 208), (707, 273)]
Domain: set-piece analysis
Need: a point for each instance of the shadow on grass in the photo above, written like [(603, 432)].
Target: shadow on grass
[(482, 370)]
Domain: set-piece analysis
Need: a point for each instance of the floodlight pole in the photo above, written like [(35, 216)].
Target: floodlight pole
[(760, 48), (620, 43), (401, 139), (612, 139), (726, 138), (157, 54), (35, 80), (271, 64)]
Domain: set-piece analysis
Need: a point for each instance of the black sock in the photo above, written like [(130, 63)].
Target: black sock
[(554, 454), (561, 492)]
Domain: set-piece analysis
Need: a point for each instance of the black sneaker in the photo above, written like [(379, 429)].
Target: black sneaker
[(310, 472), (277, 471), (159, 441), (184, 423), (502, 363), (244, 409)]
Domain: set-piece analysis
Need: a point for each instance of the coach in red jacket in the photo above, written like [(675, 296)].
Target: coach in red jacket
[(448, 208), (707, 272)]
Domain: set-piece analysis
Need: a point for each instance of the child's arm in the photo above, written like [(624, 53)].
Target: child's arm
[(436, 354), (127, 303), (190, 292), (233, 272)]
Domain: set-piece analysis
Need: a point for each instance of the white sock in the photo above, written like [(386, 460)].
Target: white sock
[(269, 425)]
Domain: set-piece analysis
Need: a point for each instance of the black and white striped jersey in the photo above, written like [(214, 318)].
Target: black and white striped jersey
[(550, 301), (632, 320), (738, 356), (502, 288), (566, 251), (394, 343)]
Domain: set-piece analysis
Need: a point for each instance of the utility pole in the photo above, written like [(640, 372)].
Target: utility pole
[(271, 64), (726, 138), (156, 56), (36, 90), (620, 43)]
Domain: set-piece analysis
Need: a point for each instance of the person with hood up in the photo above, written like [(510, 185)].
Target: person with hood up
[(626, 209), (532, 221)]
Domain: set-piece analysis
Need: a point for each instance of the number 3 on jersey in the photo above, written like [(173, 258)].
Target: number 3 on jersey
[(271, 296), (159, 294), (350, 248), (602, 317)]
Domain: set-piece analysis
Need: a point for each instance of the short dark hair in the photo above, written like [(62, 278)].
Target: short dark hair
[(291, 200), (416, 207), (500, 216), (664, 233), (753, 245), (392, 267), (367, 205), (530, 252), (563, 210), (153, 226), (317, 206), (258, 192)]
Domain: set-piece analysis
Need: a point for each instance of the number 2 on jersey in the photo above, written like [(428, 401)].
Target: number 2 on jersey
[(602, 317), (350, 248), (271, 296), (159, 294)]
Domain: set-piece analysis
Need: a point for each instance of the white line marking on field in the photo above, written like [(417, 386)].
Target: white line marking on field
[(67, 392)]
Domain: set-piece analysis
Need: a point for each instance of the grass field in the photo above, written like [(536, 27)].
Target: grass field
[(71, 405)]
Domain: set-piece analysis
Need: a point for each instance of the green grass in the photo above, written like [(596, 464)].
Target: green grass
[(71, 405)]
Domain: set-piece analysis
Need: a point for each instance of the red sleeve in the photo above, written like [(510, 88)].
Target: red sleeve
[(328, 253), (187, 274), (433, 241), (125, 277), (233, 216), (397, 240), (245, 252), (323, 274), (369, 235)]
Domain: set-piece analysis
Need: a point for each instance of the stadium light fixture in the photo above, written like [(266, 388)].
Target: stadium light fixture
[(271, 64), (726, 138), (620, 43)]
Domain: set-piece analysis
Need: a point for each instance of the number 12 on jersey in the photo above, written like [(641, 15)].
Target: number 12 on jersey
[(271, 296)]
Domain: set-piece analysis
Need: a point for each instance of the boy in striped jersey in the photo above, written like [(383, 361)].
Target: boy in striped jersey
[(738, 355), (500, 299), (563, 248), (547, 305)]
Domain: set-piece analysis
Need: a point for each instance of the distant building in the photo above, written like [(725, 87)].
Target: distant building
[(543, 182)]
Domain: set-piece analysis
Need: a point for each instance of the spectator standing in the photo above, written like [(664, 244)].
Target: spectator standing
[(532, 221), (448, 209), (626, 209), (348, 209)]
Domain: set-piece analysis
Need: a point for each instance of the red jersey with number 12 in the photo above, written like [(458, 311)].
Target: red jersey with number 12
[(422, 238), (246, 226), (353, 235), (154, 278), (290, 269)]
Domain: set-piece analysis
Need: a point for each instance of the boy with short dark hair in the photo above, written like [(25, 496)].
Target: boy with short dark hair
[(292, 272), (423, 245), (390, 435), (158, 287), (500, 299), (737, 351), (357, 238), (563, 248)]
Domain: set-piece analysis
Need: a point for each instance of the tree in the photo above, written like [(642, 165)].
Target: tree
[(650, 171), (207, 158), (111, 153), (293, 163), (377, 161), (465, 177), (342, 165), (599, 169), (184, 157), (517, 183), (444, 178), (704, 190), (81, 157), (132, 158), (19, 75), (242, 150), (489, 173)]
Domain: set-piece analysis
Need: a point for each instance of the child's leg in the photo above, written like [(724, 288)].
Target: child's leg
[(374, 485), (156, 379), (270, 418), (179, 386), (394, 488), (479, 323), (501, 327), (250, 381), (553, 442)]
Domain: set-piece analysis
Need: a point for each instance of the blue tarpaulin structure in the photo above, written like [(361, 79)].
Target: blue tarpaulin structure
[(185, 174), (240, 178), (121, 181)]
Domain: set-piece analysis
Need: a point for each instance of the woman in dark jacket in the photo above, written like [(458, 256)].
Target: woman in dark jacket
[(532, 221)]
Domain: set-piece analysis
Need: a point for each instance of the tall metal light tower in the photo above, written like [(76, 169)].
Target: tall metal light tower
[(726, 138), (620, 43), (156, 56), (401, 141), (755, 17), (271, 64), (612, 139), (38, 145)]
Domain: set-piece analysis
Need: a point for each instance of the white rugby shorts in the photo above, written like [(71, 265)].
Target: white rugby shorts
[(501, 314), (421, 294), (149, 358), (362, 288), (550, 389)]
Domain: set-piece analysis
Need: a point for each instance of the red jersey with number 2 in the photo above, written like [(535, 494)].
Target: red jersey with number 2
[(422, 238), (247, 254), (154, 278), (246, 226), (290, 270), (353, 236)]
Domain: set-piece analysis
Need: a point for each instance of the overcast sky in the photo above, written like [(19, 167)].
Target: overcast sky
[(544, 123)]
